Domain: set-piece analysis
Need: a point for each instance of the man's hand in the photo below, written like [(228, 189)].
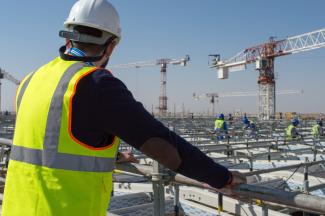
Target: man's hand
[(126, 157), (237, 179)]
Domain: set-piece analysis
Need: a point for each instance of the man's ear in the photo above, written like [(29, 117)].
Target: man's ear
[(106, 55), (67, 43), (110, 48)]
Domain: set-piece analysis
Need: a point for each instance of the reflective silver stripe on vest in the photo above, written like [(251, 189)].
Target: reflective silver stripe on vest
[(62, 160), (49, 156), (22, 91), (53, 125)]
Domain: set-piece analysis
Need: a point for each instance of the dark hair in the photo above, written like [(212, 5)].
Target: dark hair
[(88, 30), (88, 47)]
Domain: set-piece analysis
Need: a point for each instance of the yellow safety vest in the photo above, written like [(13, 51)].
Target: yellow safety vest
[(289, 132), (52, 173), (218, 124), (315, 131)]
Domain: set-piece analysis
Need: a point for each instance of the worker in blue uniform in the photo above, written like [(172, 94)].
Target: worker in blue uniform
[(220, 127), (246, 122), (230, 117), (252, 130), (249, 128)]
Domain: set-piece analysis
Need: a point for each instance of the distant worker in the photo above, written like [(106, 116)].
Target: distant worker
[(317, 130), (245, 116), (230, 117), (291, 131), (220, 127), (253, 130), (250, 129), (246, 122), (71, 114)]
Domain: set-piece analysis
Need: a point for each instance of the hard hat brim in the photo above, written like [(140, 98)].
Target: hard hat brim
[(69, 24)]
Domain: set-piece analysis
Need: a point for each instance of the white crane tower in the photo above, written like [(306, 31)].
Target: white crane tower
[(163, 62), (214, 97), (263, 56), (7, 76)]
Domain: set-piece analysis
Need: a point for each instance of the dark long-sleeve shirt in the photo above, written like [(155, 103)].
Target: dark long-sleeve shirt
[(103, 107)]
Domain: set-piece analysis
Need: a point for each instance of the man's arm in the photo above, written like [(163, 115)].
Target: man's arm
[(126, 118), (295, 133), (225, 127)]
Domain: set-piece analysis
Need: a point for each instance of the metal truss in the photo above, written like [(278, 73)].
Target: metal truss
[(242, 94), (304, 42), (140, 64), (295, 44)]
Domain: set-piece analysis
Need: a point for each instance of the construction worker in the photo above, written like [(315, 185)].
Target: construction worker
[(250, 129), (246, 122), (317, 130), (291, 131), (220, 127), (71, 114), (230, 117)]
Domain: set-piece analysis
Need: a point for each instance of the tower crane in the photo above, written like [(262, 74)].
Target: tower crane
[(163, 62), (263, 56), (214, 97), (7, 76)]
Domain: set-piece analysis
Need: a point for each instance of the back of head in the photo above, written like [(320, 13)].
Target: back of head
[(221, 116), (295, 122), (319, 122)]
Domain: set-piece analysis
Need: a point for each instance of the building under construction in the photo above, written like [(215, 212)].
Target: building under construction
[(285, 177)]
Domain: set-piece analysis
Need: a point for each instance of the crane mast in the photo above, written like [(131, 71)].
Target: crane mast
[(264, 56), (163, 91), (163, 62), (266, 82)]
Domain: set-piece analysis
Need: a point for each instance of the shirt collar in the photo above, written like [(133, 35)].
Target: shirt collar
[(77, 52)]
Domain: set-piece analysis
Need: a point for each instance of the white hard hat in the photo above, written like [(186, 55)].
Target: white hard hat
[(98, 14)]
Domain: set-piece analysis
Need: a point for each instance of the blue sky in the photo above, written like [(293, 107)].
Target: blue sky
[(172, 29)]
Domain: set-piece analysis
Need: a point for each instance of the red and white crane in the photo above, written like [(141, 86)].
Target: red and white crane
[(163, 62), (7, 76), (263, 56)]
